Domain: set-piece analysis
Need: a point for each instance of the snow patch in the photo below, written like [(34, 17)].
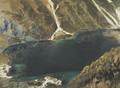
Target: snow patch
[(4, 69), (48, 80), (53, 11), (110, 1), (118, 13), (115, 23)]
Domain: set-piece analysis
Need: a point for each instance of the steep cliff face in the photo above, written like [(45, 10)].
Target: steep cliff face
[(103, 73), (26, 20), (88, 14)]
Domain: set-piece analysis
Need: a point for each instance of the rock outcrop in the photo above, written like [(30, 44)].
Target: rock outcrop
[(103, 73), (36, 83)]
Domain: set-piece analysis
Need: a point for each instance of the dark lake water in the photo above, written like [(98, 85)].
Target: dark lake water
[(61, 58)]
